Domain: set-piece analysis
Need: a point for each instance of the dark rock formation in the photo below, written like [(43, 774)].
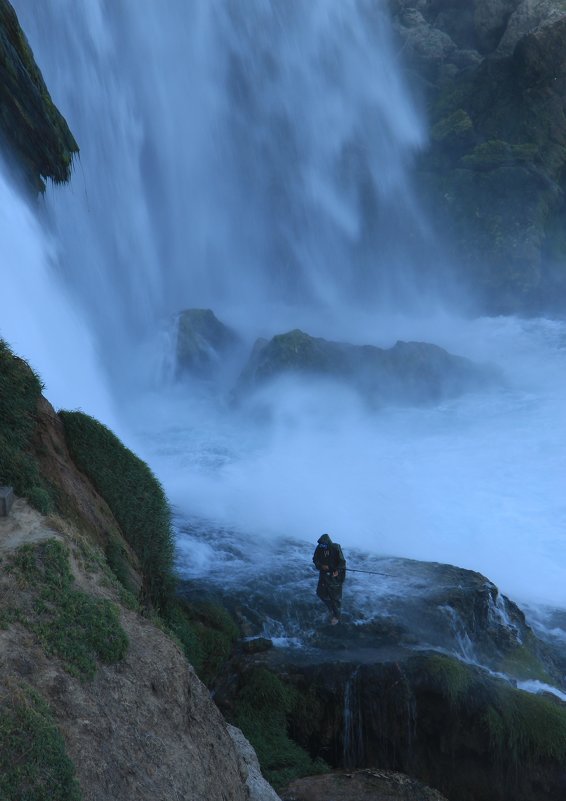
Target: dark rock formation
[(29, 122), (360, 785), (413, 372), (494, 73), (202, 342)]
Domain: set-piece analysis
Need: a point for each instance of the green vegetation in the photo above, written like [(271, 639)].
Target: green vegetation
[(69, 624), (452, 678), (495, 153), (29, 120), (263, 709), (521, 728), (453, 126), (206, 632), (135, 497), (20, 390), (33, 763)]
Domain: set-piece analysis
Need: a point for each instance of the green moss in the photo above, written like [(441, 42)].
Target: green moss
[(20, 391), (29, 120), (452, 126), (206, 633), (135, 497), (263, 708), (523, 663), (69, 624), (450, 677), (34, 765), (522, 729), (525, 729), (495, 153)]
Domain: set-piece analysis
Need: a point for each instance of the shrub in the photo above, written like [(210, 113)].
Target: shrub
[(135, 497)]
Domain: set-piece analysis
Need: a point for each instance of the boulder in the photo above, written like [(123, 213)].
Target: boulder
[(258, 788), (411, 372), (360, 785), (202, 342)]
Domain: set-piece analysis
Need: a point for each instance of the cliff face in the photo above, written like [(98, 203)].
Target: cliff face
[(135, 720), (494, 75), (30, 124)]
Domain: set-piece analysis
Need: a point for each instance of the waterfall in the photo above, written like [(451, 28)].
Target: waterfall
[(252, 158), (353, 748), (255, 158)]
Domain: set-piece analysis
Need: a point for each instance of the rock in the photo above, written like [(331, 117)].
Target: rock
[(494, 171), (202, 342), (258, 788), (490, 21), (29, 121), (360, 785), (526, 18), (257, 645), (412, 372)]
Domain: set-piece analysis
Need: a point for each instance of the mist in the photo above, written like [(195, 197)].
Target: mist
[(259, 164)]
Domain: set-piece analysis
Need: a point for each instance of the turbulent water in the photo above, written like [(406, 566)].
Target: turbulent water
[(255, 158)]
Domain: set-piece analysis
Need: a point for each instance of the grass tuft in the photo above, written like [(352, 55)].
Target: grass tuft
[(69, 624), (34, 765)]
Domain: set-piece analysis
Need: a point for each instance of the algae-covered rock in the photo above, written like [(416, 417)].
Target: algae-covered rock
[(202, 342), (409, 371), (29, 121), (494, 169), (450, 725)]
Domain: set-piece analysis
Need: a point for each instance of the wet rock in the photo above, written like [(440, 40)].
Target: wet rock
[(494, 171), (412, 372), (445, 723), (257, 645), (202, 342), (360, 785)]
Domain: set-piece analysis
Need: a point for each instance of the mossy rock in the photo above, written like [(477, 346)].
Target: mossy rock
[(202, 342), (29, 121), (409, 371)]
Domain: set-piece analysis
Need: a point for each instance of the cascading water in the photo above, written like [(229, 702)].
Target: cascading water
[(233, 157), (254, 158)]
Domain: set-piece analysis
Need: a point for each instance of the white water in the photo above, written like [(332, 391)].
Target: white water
[(258, 163)]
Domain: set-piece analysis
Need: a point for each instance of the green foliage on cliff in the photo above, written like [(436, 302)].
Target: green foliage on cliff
[(29, 120), (20, 390), (135, 497), (263, 709), (206, 633), (69, 624), (34, 765)]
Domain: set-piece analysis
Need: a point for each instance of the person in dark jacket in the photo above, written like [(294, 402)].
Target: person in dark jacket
[(329, 561)]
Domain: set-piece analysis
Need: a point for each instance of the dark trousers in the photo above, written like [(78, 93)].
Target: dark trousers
[(329, 590)]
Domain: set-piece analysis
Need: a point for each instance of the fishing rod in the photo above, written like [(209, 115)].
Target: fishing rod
[(369, 572)]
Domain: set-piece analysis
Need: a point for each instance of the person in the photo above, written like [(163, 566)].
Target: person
[(329, 561)]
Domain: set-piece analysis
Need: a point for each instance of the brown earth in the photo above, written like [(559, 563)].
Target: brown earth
[(144, 728)]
